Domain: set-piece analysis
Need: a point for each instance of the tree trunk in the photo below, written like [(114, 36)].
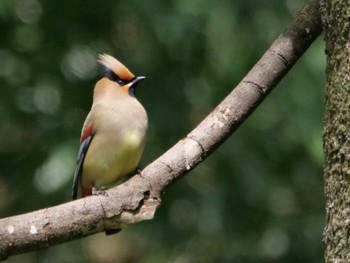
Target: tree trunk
[(335, 17)]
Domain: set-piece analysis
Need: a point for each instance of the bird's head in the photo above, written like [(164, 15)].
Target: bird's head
[(115, 71)]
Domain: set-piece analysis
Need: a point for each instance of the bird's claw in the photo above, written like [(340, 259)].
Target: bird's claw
[(135, 172), (101, 191)]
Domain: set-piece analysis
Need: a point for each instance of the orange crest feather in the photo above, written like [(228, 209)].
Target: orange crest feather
[(116, 66)]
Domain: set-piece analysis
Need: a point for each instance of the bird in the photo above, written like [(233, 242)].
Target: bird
[(114, 132)]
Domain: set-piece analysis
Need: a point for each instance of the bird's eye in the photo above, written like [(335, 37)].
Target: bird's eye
[(120, 82), (107, 72)]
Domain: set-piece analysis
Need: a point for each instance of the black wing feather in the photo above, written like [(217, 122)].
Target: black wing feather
[(79, 168)]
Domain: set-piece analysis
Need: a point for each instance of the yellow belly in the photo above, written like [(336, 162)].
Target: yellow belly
[(108, 161)]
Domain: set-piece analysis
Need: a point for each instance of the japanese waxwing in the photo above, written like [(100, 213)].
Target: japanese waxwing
[(114, 132)]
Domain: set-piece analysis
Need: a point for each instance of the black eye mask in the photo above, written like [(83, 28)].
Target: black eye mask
[(107, 72)]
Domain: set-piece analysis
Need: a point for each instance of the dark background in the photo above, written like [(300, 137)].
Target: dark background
[(258, 198)]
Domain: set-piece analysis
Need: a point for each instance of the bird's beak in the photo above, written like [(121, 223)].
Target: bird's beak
[(131, 87), (137, 80)]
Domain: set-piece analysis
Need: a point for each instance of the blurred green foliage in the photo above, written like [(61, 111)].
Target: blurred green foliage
[(259, 198)]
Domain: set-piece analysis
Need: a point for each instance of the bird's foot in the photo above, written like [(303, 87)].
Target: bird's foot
[(135, 172), (101, 191)]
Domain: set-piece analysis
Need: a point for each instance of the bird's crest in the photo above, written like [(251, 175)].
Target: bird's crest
[(114, 70)]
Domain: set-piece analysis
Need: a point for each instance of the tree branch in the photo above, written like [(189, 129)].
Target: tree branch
[(138, 198)]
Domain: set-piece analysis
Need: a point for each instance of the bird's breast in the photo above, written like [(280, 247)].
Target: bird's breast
[(117, 145)]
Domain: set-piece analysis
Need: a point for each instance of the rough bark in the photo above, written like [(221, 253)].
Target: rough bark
[(335, 17), (138, 198)]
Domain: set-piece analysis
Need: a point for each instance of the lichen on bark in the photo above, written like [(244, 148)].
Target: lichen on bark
[(336, 138)]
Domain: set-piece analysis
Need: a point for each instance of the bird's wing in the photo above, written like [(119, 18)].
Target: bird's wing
[(85, 141)]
